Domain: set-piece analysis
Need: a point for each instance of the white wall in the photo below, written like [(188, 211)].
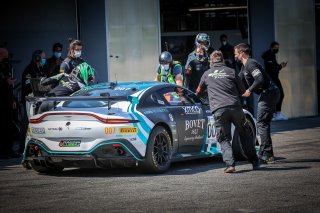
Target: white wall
[(295, 31), (133, 39)]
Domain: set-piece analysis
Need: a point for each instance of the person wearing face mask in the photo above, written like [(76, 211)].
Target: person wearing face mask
[(53, 63), (168, 70), (35, 69), (196, 68), (202, 39), (259, 82), (273, 68), (227, 51), (74, 57)]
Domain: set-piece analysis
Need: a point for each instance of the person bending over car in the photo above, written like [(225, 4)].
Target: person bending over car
[(224, 87), (81, 76)]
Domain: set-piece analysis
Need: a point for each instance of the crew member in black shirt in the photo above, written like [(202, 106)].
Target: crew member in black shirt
[(224, 89), (196, 69), (273, 68), (260, 83)]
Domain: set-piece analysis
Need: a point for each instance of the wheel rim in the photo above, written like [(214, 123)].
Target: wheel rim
[(161, 149)]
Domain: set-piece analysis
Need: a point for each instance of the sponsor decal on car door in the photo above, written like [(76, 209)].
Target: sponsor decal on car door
[(192, 128)]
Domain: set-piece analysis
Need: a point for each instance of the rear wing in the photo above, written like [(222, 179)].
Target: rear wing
[(82, 98)]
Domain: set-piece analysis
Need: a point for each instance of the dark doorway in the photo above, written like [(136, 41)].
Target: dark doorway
[(182, 20)]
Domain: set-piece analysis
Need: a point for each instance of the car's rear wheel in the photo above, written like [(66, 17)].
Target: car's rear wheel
[(236, 145), (43, 167), (159, 151)]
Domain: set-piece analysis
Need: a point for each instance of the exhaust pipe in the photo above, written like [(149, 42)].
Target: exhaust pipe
[(119, 151)]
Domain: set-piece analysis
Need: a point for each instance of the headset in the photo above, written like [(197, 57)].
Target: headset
[(36, 56)]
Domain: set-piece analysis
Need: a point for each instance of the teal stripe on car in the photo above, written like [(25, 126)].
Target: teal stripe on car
[(143, 138)]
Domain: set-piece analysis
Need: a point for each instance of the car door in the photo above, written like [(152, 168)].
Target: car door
[(189, 119)]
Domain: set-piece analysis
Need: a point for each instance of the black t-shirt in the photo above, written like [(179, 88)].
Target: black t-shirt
[(271, 65), (194, 73), (52, 67), (255, 76), (31, 71), (69, 63)]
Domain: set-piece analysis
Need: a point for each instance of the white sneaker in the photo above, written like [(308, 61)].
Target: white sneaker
[(281, 116)]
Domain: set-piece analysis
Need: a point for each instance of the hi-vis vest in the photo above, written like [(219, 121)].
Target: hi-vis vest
[(167, 76)]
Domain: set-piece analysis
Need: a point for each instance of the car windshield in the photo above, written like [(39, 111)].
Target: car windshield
[(115, 92)]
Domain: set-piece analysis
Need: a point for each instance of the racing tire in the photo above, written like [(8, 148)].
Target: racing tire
[(238, 152), (159, 152), (45, 168)]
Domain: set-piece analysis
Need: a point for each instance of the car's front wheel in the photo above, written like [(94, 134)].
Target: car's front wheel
[(159, 151)]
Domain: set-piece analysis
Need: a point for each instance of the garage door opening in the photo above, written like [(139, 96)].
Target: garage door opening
[(182, 20)]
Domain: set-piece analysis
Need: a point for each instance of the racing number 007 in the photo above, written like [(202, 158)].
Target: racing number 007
[(110, 130)]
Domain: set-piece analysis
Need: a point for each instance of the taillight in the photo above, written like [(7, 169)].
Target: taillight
[(104, 120), (118, 121)]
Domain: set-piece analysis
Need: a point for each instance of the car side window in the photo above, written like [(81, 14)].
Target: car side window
[(152, 100), (176, 99), (175, 96)]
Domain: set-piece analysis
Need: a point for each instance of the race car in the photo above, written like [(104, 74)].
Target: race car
[(144, 124)]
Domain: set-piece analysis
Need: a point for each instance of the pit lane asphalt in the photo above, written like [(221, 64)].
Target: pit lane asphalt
[(289, 185)]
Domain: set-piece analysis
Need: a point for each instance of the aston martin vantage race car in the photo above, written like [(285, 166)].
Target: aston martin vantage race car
[(144, 124)]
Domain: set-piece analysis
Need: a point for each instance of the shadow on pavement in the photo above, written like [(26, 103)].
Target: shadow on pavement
[(295, 124), (177, 168), (5, 163), (266, 168)]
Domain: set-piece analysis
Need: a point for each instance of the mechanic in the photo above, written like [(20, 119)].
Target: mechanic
[(196, 69), (201, 39), (224, 88), (227, 50), (273, 68), (168, 70), (34, 70), (81, 76), (74, 56), (260, 83), (53, 64)]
